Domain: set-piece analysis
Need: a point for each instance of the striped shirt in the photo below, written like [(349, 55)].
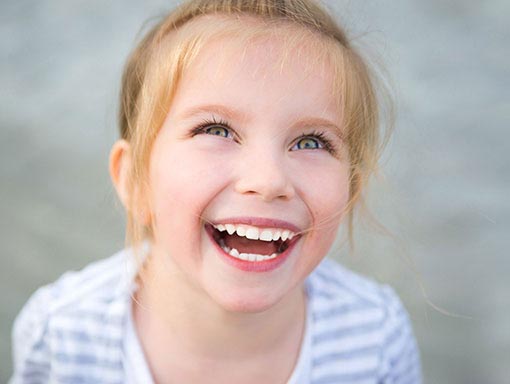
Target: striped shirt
[(80, 330)]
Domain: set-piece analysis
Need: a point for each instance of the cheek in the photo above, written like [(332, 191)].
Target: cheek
[(329, 194), (183, 183)]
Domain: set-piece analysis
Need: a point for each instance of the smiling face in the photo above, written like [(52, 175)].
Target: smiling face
[(249, 175)]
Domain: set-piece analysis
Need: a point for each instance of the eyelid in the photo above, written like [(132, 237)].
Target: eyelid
[(211, 123), (321, 137)]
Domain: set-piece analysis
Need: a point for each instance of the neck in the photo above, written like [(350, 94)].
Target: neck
[(179, 316)]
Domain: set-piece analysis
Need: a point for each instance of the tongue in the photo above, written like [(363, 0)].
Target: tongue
[(244, 245)]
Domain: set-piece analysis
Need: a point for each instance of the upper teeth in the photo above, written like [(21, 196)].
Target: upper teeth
[(254, 233)]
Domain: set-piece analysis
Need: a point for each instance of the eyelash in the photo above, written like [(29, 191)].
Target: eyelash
[(321, 137), (206, 124), (316, 135)]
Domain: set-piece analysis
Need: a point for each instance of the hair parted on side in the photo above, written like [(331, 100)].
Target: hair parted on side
[(154, 68)]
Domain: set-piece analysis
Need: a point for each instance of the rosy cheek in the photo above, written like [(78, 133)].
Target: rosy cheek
[(330, 207), (331, 189)]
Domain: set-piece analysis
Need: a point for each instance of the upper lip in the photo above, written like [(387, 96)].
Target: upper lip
[(260, 222)]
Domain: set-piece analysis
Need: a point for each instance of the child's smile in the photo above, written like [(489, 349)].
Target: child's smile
[(249, 175), (252, 248)]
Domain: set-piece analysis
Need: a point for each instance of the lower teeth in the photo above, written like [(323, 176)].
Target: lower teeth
[(245, 256)]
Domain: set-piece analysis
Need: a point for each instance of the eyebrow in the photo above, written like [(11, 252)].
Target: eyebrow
[(319, 122), (219, 109), (233, 114)]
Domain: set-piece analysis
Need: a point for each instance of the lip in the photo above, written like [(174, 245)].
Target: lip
[(259, 222), (252, 266)]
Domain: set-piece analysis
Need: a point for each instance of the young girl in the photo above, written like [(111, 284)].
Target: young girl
[(248, 130)]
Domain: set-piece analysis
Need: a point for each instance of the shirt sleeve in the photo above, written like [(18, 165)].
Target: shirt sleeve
[(399, 354), (30, 345)]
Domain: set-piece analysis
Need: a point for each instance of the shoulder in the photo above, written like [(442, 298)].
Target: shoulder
[(63, 317), (335, 284), (360, 328), (75, 290)]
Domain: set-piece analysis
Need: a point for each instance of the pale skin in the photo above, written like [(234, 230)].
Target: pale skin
[(198, 319)]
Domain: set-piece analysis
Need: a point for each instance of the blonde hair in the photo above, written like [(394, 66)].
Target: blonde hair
[(156, 65)]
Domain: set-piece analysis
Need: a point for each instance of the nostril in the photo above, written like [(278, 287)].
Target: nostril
[(265, 177), (268, 190)]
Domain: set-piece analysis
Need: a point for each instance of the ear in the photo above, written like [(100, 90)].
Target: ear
[(120, 163)]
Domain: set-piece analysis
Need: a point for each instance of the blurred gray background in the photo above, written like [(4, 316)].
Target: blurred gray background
[(444, 196)]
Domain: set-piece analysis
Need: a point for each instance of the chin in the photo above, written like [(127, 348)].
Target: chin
[(252, 303)]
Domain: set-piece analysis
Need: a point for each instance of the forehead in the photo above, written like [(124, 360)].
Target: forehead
[(278, 61), (260, 57)]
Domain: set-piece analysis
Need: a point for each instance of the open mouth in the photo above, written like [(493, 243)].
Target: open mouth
[(245, 242)]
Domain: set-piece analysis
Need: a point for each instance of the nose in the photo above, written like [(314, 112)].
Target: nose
[(264, 174)]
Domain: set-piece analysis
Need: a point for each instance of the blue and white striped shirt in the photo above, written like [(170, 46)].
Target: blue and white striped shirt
[(79, 330)]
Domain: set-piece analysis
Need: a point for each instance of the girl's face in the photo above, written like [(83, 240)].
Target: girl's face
[(254, 147)]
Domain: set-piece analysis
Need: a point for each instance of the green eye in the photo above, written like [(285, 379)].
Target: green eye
[(217, 131), (307, 143)]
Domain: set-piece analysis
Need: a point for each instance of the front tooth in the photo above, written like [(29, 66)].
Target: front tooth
[(230, 228), (234, 252), (266, 235), (259, 258), (252, 257), (243, 256), (241, 231), (276, 235), (285, 235), (251, 233)]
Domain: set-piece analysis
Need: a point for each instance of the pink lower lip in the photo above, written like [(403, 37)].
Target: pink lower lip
[(253, 266)]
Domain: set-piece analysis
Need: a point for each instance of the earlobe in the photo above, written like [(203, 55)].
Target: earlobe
[(120, 162)]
